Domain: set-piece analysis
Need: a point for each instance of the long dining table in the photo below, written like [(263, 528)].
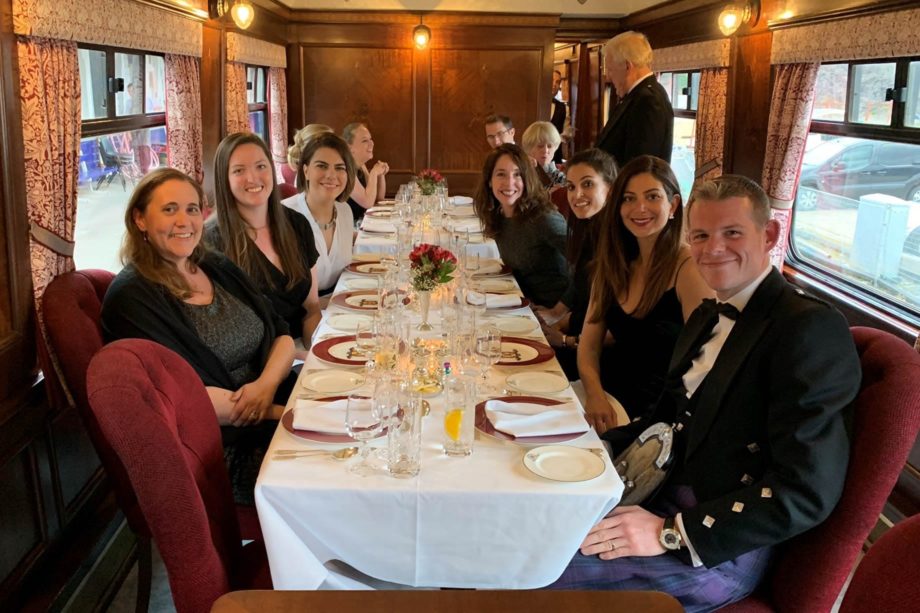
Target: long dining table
[(480, 521)]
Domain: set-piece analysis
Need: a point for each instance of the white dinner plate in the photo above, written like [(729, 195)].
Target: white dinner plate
[(347, 322), (332, 381), (564, 463), (515, 324), (361, 283), (537, 382)]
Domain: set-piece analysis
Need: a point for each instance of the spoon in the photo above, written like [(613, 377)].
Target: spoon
[(292, 454)]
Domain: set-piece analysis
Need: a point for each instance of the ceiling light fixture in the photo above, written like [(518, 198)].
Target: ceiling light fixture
[(421, 35), (241, 11), (735, 15)]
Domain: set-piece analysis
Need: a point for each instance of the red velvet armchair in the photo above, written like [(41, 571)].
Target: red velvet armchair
[(156, 415), (811, 568)]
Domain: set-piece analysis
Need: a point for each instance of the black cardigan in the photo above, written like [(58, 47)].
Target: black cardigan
[(137, 308)]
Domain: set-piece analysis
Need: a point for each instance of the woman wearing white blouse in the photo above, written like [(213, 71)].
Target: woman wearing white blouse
[(326, 173)]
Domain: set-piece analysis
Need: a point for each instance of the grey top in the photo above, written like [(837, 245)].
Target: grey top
[(232, 331), (535, 251)]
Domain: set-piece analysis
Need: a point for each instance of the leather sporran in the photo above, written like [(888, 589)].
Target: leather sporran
[(644, 465)]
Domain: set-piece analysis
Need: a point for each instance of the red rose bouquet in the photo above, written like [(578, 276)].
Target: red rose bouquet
[(428, 180), (430, 266)]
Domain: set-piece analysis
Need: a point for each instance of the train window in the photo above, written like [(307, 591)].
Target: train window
[(257, 98), (912, 112), (683, 90), (857, 207), (123, 138)]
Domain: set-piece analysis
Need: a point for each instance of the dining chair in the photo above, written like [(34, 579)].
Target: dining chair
[(71, 307), (287, 190), (560, 198), (811, 568), (154, 411), (887, 577)]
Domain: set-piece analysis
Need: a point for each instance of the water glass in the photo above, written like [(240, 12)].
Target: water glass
[(488, 352), (404, 436), (362, 422), (459, 417)]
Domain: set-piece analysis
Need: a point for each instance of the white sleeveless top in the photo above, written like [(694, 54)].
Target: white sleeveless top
[(331, 262)]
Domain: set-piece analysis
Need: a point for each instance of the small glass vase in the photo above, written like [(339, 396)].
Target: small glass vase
[(424, 305)]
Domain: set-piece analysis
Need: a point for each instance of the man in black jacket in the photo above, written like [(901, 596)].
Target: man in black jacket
[(758, 393), (643, 120)]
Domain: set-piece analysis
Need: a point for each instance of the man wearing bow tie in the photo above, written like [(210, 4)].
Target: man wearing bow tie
[(643, 120), (758, 391)]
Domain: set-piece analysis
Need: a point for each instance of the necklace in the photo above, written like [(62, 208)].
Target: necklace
[(330, 224)]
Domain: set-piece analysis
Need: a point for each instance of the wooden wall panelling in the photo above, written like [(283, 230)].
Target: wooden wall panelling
[(213, 110), (749, 95)]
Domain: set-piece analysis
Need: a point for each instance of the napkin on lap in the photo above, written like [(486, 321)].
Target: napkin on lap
[(526, 419), (371, 224), (326, 417)]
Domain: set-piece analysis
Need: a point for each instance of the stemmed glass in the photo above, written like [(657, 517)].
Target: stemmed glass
[(362, 422), (366, 340), (488, 351)]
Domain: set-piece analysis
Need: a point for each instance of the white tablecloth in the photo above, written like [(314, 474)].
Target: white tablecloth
[(484, 521), (386, 243)]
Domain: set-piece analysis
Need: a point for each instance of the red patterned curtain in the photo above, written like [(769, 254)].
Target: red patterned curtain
[(277, 111), (237, 106), (49, 85), (710, 122), (790, 117), (183, 115)]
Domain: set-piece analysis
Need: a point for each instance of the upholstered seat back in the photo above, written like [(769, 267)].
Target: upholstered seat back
[(811, 569), (155, 413)]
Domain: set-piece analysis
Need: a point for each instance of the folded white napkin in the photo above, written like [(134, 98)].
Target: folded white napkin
[(525, 419), (328, 417), (493, 301), (372, 224), (488, 267), (461, 200)]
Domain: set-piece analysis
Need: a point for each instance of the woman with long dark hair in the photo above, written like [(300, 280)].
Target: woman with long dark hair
[(644, 286), (530, 233), (271, 243)]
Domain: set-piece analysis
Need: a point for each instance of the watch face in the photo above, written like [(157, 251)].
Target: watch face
[(670, 539)]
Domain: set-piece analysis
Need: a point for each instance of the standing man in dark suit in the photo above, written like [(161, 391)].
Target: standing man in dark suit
[(758, 391), (643, 120), (559, 117)]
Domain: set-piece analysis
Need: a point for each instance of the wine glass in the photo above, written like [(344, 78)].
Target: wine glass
[(362, 422), (366, 341), (488, 351)]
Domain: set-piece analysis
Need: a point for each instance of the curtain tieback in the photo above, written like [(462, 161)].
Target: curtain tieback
[(52, 241), (710, 165)]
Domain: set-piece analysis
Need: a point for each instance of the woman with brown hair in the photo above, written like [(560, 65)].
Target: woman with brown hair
[(644, 287), (203, 307), (271, 243), (530, 233)]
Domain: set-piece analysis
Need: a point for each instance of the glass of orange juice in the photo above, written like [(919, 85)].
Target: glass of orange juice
[(459, 416)]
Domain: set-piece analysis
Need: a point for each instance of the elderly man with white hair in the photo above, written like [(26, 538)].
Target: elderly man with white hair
[(643, 120)]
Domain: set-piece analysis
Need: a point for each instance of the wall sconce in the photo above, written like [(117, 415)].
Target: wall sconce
[(734, 15), (241, 11), (421, 35)]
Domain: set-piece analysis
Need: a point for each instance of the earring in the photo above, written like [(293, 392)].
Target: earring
[(145, 237), (671, 216)]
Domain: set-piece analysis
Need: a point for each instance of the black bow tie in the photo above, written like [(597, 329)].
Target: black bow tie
[(710, 306)]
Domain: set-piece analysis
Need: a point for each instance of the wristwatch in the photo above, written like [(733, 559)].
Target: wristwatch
[(670, 537)]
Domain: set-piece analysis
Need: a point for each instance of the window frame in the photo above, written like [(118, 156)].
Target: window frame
[(687, 112), (260, 107), (895, 132), (112, 123)]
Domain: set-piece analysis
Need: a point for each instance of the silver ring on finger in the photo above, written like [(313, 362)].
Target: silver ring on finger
[(612, 547), (254, 415)]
